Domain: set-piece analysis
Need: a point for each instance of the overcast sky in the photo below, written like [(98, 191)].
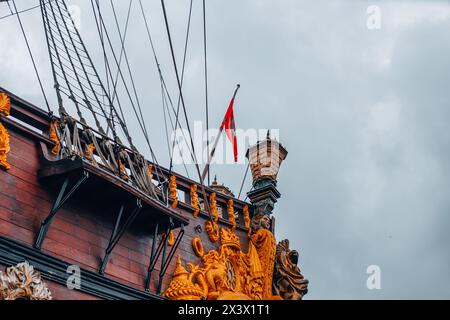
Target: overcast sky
[(363, 114)]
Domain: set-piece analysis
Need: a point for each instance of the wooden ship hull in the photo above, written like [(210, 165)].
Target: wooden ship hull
[(84, 228)]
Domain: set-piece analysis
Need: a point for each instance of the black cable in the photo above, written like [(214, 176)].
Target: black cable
[(31, 54), (123, 125), (102, 25), (167, 94), (157, 167), (182, 82), (108, 67), (122, 40), (206, 83), (22, 11), (184, 109), (84, 70), (76, 75), (243, 181), (50, 36)]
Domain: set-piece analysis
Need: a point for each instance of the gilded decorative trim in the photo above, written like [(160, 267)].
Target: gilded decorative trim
[(123, 172), (213, 206), (5, 104), (54, 137), (173, 193), (247, 220), (4, 148), (194, 200), (171, 240), (90, 148), (231, 213), (211, 227), (198, 247), (150, 171), (22, 282)]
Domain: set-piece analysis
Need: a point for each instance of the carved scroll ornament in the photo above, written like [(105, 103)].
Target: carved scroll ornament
[(173, 193), (211, 227), (247, 220), (231, 213), (194, 200), (23, 283)]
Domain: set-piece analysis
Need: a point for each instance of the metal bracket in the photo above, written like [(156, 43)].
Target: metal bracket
[(162, 248), (118, 232), (165, 262), (60, 201)]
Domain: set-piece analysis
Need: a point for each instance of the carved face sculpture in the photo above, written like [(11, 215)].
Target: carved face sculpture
[(260, 221)]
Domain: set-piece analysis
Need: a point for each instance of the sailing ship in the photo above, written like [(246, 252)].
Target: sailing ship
[(85, 215)]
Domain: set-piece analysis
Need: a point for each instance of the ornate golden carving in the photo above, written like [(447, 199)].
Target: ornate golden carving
[(22, 282), (171, 240), (90, 148), (54, 137), (231, 213), (173, 193), (198, 247), (211, 227), (150, 171), (183, 287), (5, 109), (288, 281), (5, 104), (265, 244), (194, 200), (247, 220), (123, 172), (224, 274), (213, 206), (4, 148)]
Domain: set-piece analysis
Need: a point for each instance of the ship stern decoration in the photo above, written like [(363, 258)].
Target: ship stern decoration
[(267, 271)]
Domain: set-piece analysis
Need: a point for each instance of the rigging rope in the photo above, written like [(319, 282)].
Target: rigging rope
[(166, 95), (182, 82), (21, 11), (206, 83), (30, 52), (243, 180), (184, 109), (60, 28), (101, 24)]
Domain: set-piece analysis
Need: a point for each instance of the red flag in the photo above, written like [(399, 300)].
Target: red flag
[(230, 127)]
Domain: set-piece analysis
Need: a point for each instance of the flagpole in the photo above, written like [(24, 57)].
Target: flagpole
[(213, 151)]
